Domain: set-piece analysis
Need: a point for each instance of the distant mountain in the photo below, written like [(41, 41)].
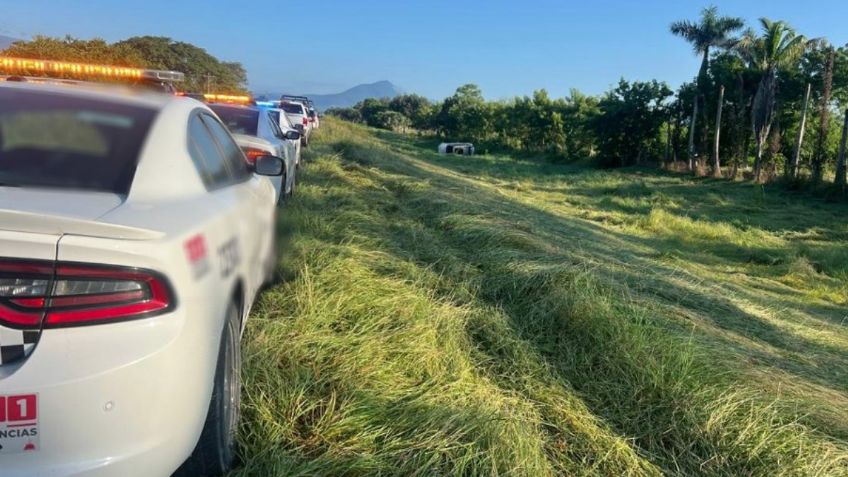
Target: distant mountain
[(380, 89), (6, 41)]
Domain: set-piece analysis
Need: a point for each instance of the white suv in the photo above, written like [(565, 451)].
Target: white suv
[(298, 114)]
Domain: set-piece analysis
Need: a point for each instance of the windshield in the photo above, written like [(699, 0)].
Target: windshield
[(291, 108), (61, 141), (238, 120)]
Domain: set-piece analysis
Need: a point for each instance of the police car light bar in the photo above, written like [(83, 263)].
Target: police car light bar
[(228, 98), (26, 66)]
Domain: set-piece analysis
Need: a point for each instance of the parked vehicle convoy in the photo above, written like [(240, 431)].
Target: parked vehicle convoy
[(279, 117), (259, 134), (298, 99), (297, 114), (311, 112), (134, 238)]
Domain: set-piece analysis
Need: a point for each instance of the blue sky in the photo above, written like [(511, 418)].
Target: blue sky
[(430, 47)]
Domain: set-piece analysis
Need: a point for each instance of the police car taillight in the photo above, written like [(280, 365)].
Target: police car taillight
[(91, 294), (75, 294), (23, 288)]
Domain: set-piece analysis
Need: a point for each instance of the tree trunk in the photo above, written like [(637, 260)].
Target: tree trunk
[(746, 148), (678, 128), (774, 147), (840, 160), (716, 143), (792, 172), (704, 143), (668, 131), (762, 115), (692, 127), (703, 90), (737, 127), (820, 155), (758, 159)]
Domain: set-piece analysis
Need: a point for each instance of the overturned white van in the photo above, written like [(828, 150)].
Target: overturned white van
[(458, 148)]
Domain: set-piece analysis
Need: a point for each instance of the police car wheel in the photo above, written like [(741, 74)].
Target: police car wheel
[(274, 259), (283, 194), (216, 450), (271, 269), (293, 187)]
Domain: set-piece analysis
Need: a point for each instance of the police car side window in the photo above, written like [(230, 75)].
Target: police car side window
[(232, 154), (206, 155), (275, 127)]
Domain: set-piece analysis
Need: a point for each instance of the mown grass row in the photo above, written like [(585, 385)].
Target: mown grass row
[(446, 316)]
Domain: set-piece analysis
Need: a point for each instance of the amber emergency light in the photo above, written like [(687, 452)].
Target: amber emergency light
[(228, 98), (50, 68)]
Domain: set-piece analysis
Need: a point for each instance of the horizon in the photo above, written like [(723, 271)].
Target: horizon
[(507, 49)]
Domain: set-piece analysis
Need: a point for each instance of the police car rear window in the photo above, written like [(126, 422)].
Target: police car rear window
[(292, 108), (66, 142), (238, 120)]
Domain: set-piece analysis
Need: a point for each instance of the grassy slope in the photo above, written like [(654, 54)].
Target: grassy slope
[(487, 316)]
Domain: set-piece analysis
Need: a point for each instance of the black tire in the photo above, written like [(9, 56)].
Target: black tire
[(293, 187), (215, 452), (283, 195), (271, 267)]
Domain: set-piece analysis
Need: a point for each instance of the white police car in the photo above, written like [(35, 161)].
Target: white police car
[(133, 241), (258, 133)]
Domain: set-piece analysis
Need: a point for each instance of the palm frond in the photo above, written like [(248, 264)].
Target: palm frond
[(710, 31)]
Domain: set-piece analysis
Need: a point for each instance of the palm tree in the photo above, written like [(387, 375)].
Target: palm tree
[(711, 31), (777, 48), (824, 115)]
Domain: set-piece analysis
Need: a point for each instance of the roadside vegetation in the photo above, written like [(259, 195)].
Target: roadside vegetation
[(767, 104), (442, 315)]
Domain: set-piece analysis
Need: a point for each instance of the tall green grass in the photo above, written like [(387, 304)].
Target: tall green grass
[(491, 316)]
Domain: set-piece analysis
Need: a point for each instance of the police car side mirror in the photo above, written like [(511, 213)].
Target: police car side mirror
[(292, 135), (268, 166)]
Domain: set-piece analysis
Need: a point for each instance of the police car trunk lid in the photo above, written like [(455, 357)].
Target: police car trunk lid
[(31, 224)]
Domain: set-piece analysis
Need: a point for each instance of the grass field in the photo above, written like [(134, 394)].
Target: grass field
[(490, 316)]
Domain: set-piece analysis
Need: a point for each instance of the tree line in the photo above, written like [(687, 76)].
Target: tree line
[(766, 103), (203, 71)]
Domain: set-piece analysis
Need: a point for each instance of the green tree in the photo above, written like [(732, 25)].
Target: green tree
[(415, 107), (628, 128), (579, 111), (827, 59), (391, 120), (348, 114), (465, 115), (729, 70), (709, 32), (203, 71), (369, 109), (778, 48), (76, 50)]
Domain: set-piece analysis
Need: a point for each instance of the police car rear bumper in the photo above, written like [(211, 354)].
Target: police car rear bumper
[(119, 399)]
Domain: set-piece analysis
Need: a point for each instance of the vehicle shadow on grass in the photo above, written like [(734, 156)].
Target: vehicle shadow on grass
[(763, 342)]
